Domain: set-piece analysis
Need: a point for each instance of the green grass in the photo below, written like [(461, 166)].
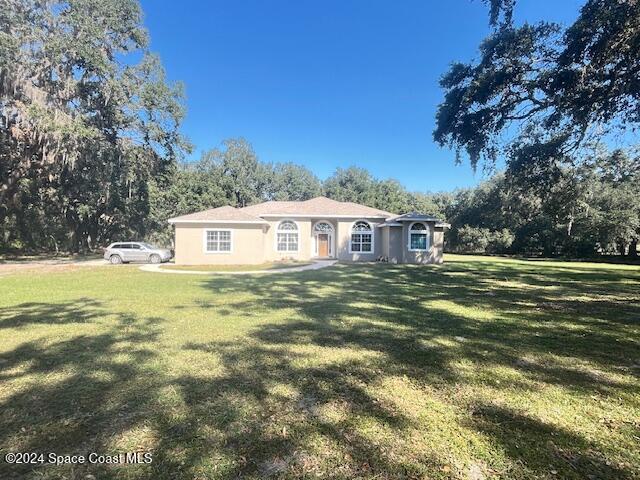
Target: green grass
[(480, 368), (236, 268)]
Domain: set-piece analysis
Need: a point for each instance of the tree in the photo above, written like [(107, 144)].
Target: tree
[(294, 182), (351, 185), (243, 178), (188, 188), (589, 209), (389, 195), (82, 132), (553, 88), (616, 201)]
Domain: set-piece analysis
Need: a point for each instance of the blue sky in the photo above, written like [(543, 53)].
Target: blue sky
[(328, 83)]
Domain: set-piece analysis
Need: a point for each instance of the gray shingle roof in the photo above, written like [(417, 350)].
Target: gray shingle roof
[(315, 207), (220, 214), (318, 206)]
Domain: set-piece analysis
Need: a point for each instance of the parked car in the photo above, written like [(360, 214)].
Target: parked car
[(124, 252)]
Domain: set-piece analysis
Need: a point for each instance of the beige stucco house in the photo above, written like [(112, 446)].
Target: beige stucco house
[(312, 229)]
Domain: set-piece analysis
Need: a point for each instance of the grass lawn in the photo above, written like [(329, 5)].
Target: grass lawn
[(236, 268), (480, 368)]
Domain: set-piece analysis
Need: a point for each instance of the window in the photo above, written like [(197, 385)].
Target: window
[(287, 237), (217, 241), (361, 238), (418, 237), (323, 227)]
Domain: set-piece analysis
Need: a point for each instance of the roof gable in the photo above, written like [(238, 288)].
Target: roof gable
[(414, 217)]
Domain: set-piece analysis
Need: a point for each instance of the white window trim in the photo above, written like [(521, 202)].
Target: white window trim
[(426, 232), (217, 252), (373, 237), (275, 237), (313, 229)]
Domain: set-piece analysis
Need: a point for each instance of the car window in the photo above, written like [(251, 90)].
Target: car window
[(116, 245), (126, 246), (146, 245), (135, 246)]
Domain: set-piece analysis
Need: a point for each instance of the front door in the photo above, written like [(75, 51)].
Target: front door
[(323, 245)]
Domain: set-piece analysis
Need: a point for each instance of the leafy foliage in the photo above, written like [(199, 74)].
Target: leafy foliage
[(353, 184), (83, 125), (90, 147), (589, 209), (538, 92)]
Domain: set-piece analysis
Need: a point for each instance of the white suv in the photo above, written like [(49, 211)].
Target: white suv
[(124, 252)]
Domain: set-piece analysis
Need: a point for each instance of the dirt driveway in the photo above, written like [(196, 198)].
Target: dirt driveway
[(8, 267)]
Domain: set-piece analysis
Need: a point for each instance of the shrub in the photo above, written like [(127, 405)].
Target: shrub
[(500, 241), (473, 239), (470, 239)]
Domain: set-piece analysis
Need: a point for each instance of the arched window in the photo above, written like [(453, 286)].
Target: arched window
[(361, 237), (418, 237), (323, 227), (287, 236)]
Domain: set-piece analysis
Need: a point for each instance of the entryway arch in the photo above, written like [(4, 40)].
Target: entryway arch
[(324, 236)]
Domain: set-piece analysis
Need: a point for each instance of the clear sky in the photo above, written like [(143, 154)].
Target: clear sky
[(328, 83)]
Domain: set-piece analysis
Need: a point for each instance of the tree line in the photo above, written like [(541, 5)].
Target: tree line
[(90, 143), (592, 209), (233, 175), (543, 97)]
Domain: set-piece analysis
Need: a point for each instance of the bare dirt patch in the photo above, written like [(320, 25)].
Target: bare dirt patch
[(9, 267)]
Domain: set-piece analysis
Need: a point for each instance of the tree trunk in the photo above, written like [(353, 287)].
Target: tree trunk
[(622, 248), (55, 244), (633, 248)]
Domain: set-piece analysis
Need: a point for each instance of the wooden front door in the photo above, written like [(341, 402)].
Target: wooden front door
[(323, 245)]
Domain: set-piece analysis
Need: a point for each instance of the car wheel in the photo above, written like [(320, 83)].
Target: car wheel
[(115, 259), (155, 258)]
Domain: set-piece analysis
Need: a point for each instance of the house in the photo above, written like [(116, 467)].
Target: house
[(311, 229)]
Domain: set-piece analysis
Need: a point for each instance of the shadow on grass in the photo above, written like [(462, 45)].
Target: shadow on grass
[(519, 435), (264, 412), (29, 314)]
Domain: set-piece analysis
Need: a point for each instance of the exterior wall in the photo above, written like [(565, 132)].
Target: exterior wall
[(436, 246), (247, 245), (255, 244), (385, 241), (343, 236), (395, 245), (304, 240)]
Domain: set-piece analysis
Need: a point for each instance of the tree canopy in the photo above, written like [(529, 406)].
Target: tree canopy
[(91, 150), (538, 93), (87, 119)]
